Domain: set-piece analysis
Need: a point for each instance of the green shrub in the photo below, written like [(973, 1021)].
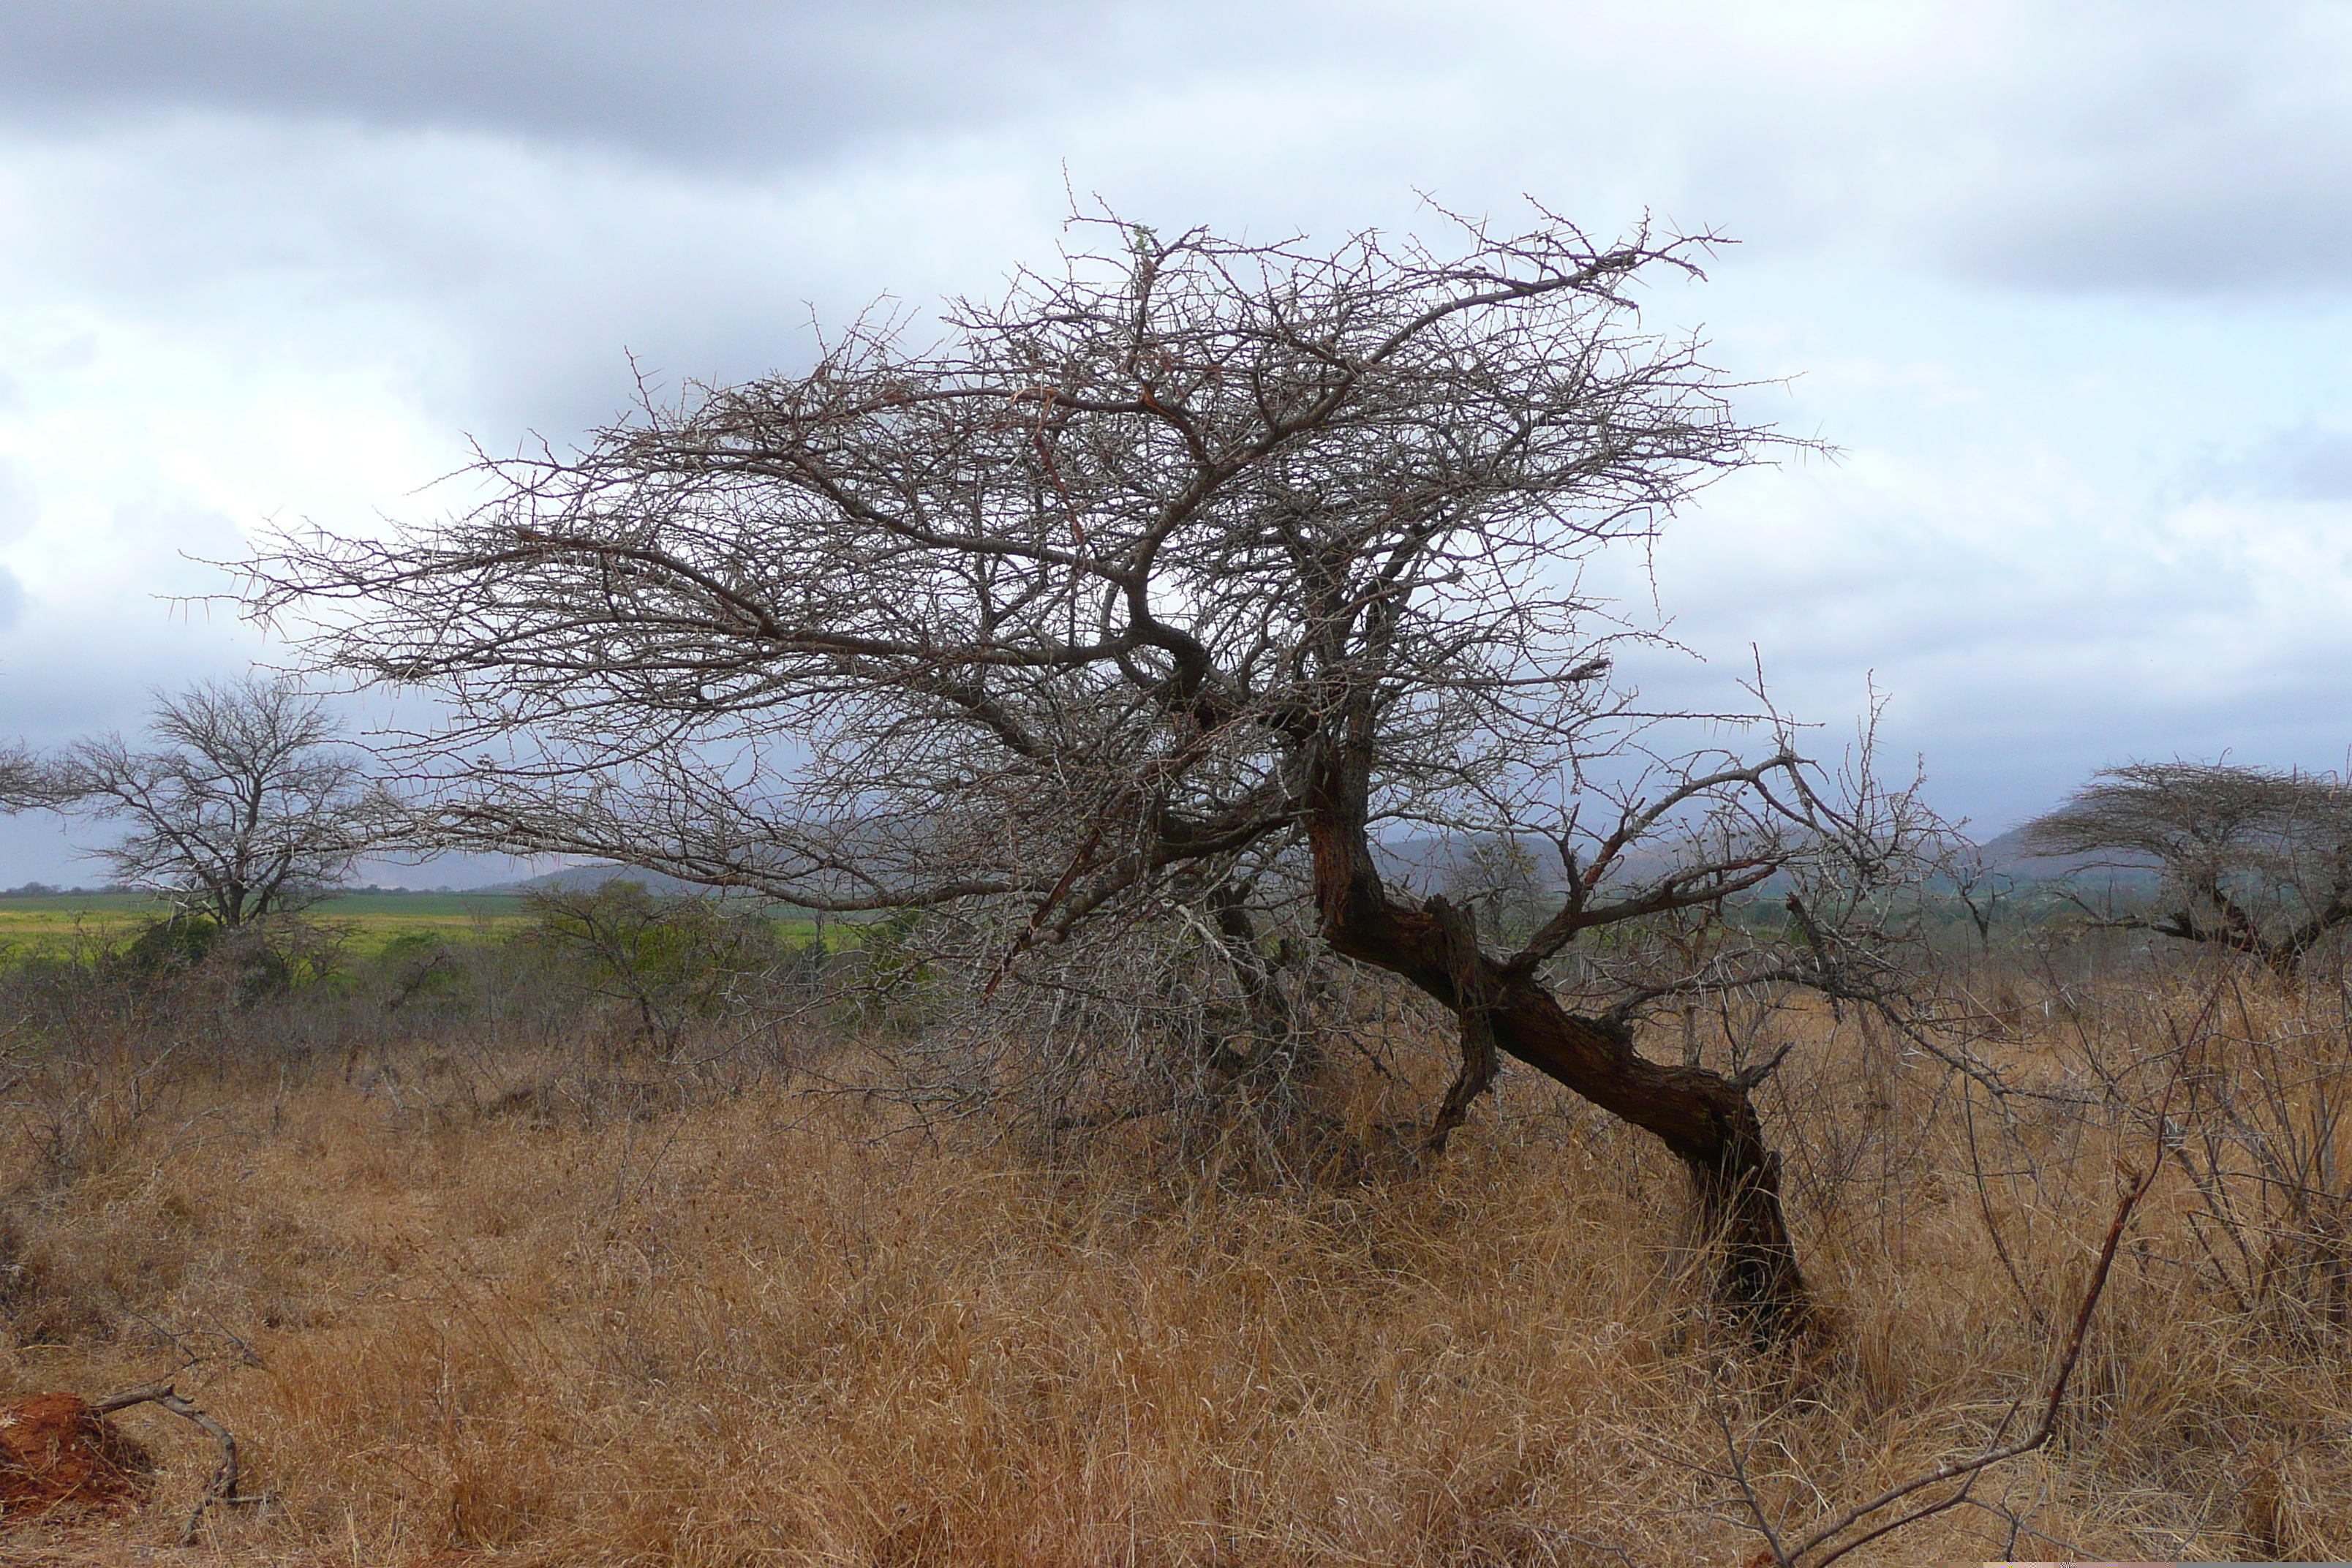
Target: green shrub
[(672, 960)]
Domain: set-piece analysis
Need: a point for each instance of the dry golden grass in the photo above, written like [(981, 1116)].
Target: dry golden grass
[(546, 1311)]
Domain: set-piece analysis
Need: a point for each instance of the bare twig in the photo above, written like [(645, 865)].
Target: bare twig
[(223, 1487), (1966, 1471)]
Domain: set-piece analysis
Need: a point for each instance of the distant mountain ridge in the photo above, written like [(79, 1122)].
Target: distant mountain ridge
[(2006, 852), (588, 878), (1424, 862)]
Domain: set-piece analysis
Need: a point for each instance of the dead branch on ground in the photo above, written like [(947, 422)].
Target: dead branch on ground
[(223, 1487)]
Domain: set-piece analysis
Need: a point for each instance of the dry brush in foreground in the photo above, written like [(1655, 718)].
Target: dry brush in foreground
[(559, 1306)]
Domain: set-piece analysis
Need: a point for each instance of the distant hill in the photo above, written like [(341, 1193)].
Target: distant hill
[(1422, 862), (587, 878), (2006, 852), (1430, 863)]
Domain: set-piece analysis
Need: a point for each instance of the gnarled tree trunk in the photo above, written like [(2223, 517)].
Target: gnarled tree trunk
[(1705, 1117)]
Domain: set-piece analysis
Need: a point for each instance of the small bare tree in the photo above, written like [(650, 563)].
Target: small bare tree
[(243, 804), (1504, 882), (1149, 595), (2254, 860)]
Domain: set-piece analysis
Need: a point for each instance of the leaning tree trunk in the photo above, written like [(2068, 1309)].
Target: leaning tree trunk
[(1705, 1117)]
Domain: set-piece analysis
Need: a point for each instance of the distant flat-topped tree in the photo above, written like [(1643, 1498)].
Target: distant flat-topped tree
[(1145, 592), (2254, 860)]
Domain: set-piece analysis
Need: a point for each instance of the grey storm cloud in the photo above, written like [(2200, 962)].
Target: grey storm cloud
[(732, 82), (2148, 145), (2189, 176)]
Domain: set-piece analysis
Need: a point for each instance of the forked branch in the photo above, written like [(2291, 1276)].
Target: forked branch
[(223, 1487)]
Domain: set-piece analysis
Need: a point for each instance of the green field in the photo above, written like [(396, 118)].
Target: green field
[(66, 924), (63, 925)]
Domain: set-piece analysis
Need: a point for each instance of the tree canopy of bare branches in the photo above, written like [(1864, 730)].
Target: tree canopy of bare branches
[(243, 805), (24, 782), (2254, 860), (1185, 567)]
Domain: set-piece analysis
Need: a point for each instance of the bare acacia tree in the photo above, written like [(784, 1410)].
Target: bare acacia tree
[(2253, 859), (242, 805), (1178, 575)]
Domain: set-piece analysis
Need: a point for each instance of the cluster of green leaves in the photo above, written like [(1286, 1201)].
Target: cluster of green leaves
[(270, 957)]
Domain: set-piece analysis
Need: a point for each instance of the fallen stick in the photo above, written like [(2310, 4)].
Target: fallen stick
[(221, 1487)]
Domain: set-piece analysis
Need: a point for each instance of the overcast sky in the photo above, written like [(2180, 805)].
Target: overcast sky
[(2069, 285)]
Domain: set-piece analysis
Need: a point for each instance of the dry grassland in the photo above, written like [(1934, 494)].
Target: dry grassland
[(568, 1307)]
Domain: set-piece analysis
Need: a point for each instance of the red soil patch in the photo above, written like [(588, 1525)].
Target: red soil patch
[(56, 1452)]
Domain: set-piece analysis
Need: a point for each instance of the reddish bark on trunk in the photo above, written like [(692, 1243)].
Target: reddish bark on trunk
[(1705, 1117)]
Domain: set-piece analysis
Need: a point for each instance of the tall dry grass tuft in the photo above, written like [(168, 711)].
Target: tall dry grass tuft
[(553, 1304)]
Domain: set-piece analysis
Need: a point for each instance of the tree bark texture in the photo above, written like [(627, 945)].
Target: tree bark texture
[(1705, 1117)]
